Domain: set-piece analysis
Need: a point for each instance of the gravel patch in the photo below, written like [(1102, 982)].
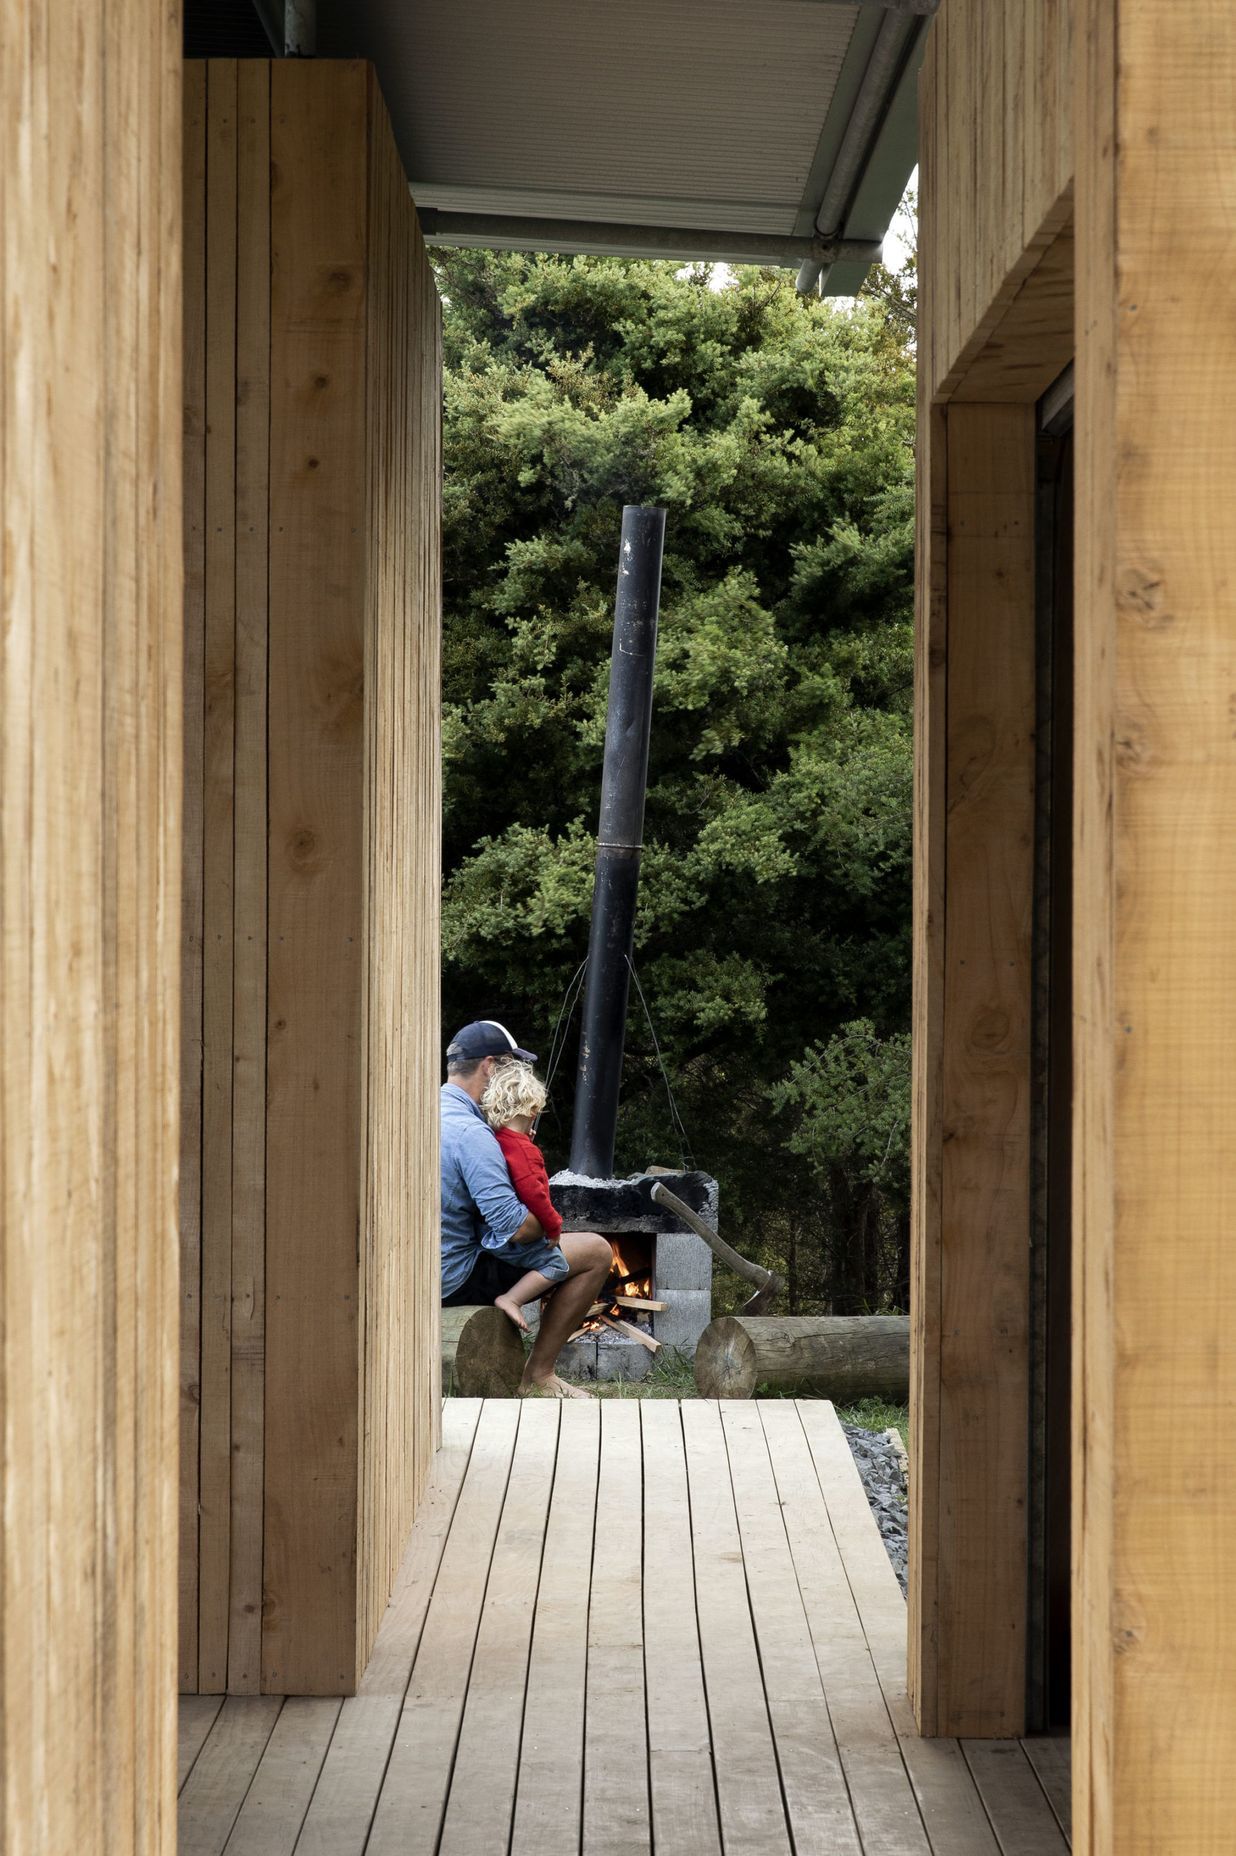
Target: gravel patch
[(881, 1466)]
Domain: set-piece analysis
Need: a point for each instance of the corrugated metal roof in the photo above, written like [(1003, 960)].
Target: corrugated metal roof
[(715, 115)]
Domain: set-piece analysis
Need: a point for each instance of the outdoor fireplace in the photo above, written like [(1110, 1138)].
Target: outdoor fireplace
[(655, 1261)]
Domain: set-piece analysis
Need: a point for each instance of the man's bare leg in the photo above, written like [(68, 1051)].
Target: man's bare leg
[(591, 1259)]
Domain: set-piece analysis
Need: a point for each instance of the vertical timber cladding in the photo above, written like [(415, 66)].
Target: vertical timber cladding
[(400, 1281), (227, 401), (90, 717), (312, 495), (1155, 1132), (996, 327), (995, 128), (927, 1047), (319, 145), (194, 393)]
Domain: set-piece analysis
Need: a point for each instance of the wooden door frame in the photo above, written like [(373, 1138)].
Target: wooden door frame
[(974, 880)]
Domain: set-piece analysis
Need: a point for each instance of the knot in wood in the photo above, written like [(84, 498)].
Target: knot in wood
[(303, 850), (1141, 594)]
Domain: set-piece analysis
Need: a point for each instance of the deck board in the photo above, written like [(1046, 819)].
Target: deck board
[(684, 1791), (346, 1795), (415, 1790), (952, 1810), (197, 1717), (617, 1812), (549, 1798), (884, 1804), (1050, 1756), (1021, 1815), (278, 1799), (481, 1804), (744, 1752), (817, 1800), (667, 1627), (216, 1788)]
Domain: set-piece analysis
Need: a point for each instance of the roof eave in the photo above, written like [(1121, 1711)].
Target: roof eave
[(885, 177), (689, 245)]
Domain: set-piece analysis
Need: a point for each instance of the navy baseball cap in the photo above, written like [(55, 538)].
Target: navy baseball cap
[(485, 1037)]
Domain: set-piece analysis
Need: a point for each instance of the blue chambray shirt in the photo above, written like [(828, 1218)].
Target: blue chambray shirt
[(479, 1206)]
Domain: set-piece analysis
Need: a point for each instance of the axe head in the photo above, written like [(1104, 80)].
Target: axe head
[(764, 1295)]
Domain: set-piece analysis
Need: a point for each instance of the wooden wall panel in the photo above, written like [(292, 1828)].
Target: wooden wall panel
[(320, 462), (985, 1162), (975, 809), (930, 898), (193, 850), (90, 707), (1095, 1060), (317, 715), (214, 1496), (1155, 1121), (996, 167), (400, 1306), (249, 878)]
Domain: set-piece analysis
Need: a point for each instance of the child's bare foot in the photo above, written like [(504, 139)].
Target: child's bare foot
[(552, 1387), (512, 1311)]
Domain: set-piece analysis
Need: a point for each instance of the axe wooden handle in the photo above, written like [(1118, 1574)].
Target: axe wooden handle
[(741, 1266)]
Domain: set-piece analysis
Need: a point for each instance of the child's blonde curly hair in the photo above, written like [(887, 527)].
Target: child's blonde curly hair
[(513, 1089)]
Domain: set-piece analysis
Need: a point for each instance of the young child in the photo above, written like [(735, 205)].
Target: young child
[(512, 1102)]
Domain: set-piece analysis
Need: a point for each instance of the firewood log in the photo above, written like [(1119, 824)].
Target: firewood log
[(841, 1357), (629, 1327), (642, 1302), (482, 1354)]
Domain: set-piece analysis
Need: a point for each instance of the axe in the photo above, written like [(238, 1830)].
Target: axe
[(767, 1285)]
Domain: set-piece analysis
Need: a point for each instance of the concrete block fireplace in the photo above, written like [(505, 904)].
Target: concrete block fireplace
[(655, 1260)]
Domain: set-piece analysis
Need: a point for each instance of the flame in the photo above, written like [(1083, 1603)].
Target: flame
[(625, 1269), (631, 1276)]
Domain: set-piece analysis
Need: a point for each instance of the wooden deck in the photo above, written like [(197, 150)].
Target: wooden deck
[(624, 1627)]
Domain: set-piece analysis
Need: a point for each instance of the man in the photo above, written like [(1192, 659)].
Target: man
[(481, 1212)]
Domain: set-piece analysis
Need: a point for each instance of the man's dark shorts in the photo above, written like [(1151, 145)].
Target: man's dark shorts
[(490, 1276)]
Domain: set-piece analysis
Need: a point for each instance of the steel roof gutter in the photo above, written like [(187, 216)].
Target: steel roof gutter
[(898, 35), (508, 232)]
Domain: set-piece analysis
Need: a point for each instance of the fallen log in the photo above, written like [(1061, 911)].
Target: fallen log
[(841, 1357), (482, 1354)]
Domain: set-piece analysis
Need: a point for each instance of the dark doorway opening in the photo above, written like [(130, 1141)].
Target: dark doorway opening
[(1048, 1672)]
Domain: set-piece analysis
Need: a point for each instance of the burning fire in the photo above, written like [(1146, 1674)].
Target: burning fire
[(630, 1279), (629, 1276)]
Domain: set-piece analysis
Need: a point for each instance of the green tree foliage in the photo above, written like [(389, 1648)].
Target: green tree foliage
[(896, 290), (849, 1100), (774, 904)]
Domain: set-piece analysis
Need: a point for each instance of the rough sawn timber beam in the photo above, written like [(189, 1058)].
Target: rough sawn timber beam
[(1155, 897), (967, 1648)]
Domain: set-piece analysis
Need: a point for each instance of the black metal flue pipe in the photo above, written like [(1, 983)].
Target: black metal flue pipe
[(620, 837)]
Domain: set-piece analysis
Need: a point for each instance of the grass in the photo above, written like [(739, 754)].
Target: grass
[(669, 1377), (672, 1377), (876, 1414)]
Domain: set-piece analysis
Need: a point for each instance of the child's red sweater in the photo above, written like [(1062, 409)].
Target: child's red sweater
[(526, 1165)]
